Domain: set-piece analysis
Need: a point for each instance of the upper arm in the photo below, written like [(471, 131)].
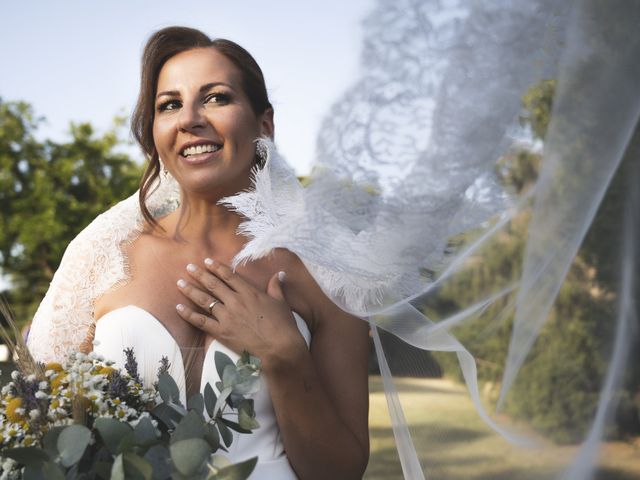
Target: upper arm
[(339, 348)]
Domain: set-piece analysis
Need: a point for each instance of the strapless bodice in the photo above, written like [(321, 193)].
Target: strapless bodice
[(134, 327)]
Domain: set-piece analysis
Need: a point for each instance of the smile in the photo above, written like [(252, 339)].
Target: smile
[(199, 149)]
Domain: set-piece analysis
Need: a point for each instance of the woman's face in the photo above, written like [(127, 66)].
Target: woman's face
[(204, 128)]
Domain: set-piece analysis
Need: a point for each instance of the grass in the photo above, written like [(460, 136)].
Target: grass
[(455, 444)]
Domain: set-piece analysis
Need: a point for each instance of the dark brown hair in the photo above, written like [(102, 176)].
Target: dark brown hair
[(160, 47)]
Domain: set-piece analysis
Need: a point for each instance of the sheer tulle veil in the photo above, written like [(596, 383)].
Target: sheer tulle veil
[(408, 158), (405, 198)]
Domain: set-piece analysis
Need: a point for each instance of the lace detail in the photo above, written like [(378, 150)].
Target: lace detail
[(93, 264)]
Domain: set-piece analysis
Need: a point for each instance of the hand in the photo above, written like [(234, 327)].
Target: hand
[(243, 317)]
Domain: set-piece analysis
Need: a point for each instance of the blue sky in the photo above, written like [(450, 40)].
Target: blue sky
[(78, 60)]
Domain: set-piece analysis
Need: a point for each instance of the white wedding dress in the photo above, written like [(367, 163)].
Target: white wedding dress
[(134, 327)]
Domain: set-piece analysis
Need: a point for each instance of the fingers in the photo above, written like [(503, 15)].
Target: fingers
[(211, 283), (274, 287), (198, 320), (228, 276), (201, 299)]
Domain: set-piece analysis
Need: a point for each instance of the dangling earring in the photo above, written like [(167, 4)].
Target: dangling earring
[(165, 172), (262, 153)]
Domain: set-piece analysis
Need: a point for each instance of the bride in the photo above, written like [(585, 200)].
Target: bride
[(162, 283)]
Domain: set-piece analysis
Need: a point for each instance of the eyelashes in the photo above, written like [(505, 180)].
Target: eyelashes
[(218, 98), (168, 105)]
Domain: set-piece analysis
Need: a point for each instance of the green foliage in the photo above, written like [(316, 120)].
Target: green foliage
[(49, 191), (558, 389), (182, 444)]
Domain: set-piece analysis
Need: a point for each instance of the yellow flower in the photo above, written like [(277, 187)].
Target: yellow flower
[(55, 366), (105, 371), (12, 406), (57, 380), (28, 441), (55, 403)]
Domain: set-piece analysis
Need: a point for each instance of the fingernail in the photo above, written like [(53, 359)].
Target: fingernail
[(191, 268), (281, 276), (179, 307), (182, 283), (208, 261)]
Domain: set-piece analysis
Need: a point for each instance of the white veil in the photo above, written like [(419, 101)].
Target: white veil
[(407, 159)]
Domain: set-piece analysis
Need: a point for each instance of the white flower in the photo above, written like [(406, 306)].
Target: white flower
[(15, 375), (43, 385), (33, 414)]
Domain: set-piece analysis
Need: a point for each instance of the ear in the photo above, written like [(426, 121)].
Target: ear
[(267, 127)]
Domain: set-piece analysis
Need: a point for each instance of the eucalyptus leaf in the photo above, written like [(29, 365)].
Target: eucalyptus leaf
[(50, 441), (237, 471), (220, 461), (102, 469), (32, 473), (196, 402), (225, 433), (28, 456), (234, 400), (222, 398), (112, 432), (48, 471), (159, 458), (209, 399), (72, 442), (222, 360), (212, 436), (178, 408), (117, 470), (255, 362), (145, 433), (192, 425), (189, 456), (136, 467), (244, 358), (167, 415), (168, 389), (233, 425), (230, 376), (247, 415), (127, 443), (246, 383)]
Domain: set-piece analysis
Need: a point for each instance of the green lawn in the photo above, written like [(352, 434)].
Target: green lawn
[(459, 446)]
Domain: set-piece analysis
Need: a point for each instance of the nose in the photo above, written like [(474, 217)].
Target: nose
[(191, 117)]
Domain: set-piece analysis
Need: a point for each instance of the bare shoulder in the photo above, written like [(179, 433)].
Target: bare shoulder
[(308, 299)]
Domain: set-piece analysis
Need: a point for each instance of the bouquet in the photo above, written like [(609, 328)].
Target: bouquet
[(86, 419)]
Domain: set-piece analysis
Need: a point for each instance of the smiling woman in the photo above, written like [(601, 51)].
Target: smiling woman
[(149, 276), (194, 113)]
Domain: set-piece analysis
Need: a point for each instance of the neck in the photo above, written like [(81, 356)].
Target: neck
[(204, 225)]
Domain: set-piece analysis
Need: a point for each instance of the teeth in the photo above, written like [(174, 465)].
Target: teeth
[(200, 149)]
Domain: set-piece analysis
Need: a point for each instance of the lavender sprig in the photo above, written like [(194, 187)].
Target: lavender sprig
[(131, 365)]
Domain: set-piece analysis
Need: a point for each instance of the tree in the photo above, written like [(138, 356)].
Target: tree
[(49, 191), (556, 396)]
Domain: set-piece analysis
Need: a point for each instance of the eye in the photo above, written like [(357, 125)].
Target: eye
[(169, 105), (219, 98)]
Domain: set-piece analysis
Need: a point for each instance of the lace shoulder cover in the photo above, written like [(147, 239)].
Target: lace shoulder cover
[(94, 263)]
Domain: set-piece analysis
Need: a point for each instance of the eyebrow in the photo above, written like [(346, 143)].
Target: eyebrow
[(203, 88)]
